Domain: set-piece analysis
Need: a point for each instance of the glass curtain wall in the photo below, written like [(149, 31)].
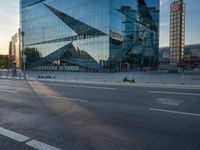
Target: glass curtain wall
[(91, 34), (136, 24)]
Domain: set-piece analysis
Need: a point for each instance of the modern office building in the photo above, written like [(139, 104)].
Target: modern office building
[(99, 35), (177, 31), (14, 51)]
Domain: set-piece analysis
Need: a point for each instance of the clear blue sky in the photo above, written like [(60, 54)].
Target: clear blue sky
[(192, 22), (9, 22)]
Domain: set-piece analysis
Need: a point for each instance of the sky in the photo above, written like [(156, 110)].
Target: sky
[(9, 22), (192, 26)]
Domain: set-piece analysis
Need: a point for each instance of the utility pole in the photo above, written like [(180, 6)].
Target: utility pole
[(23, 55)]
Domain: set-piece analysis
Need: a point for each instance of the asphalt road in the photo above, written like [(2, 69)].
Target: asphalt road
[(71, 116)]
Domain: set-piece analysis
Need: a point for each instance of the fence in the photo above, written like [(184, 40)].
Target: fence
[(139, 77)]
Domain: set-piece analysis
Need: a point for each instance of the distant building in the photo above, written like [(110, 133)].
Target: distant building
[(14, 51), (191, 54), (177, 31), (192, 51)]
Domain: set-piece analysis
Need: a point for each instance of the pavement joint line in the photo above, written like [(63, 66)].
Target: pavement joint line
[(40, 145), (14, 92), (13, 135), (80, 86), (65, 98), (175, 112), (175, 93)]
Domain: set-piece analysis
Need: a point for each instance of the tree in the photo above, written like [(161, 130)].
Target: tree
[(3, 61), (32, 55)]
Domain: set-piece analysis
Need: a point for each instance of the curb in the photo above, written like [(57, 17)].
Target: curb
[(172, 86)]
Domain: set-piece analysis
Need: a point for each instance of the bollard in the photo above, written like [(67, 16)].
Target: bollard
[(29, 75), (146, 76), (183, 79), (164, 79), (65, 75), (37, 74), (55, 75)]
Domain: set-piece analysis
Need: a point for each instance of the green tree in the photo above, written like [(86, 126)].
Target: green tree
[(3, 61)]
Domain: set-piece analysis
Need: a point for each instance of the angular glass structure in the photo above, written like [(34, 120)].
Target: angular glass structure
[(97, 35)]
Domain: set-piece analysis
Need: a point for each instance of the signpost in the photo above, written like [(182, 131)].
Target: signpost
[(24, 65), (23, 55)]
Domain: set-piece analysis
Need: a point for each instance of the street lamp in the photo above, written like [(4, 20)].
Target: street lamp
[(23, 55)]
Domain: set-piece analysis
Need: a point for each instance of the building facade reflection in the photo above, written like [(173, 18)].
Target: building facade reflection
[(14, 51), (91, 34)]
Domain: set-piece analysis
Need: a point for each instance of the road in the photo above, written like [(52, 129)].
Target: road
[(71, 116)]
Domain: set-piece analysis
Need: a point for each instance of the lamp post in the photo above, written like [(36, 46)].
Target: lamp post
[(23, 55)]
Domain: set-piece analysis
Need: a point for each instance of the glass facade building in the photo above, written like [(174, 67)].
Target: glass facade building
[(177, 31), (97, 35)]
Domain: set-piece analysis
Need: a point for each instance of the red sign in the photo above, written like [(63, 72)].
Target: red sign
[(175, 7)]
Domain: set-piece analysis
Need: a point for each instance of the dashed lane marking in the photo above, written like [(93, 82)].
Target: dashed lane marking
[(40, 145), (175, 112), (174, 93), (21, 138), (65, 98), (167, 101), (13, 135), (13, 92)]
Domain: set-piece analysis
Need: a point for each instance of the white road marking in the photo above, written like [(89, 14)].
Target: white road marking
[(21, 138), (14, 92), (13, 135), (90, 87), (40, 145), (175, 93), (175, 112), (65, 98), (166, 101), (79, 86)]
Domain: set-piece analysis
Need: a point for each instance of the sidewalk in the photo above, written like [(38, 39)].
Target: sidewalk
[(142, 79), (157, 85)]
